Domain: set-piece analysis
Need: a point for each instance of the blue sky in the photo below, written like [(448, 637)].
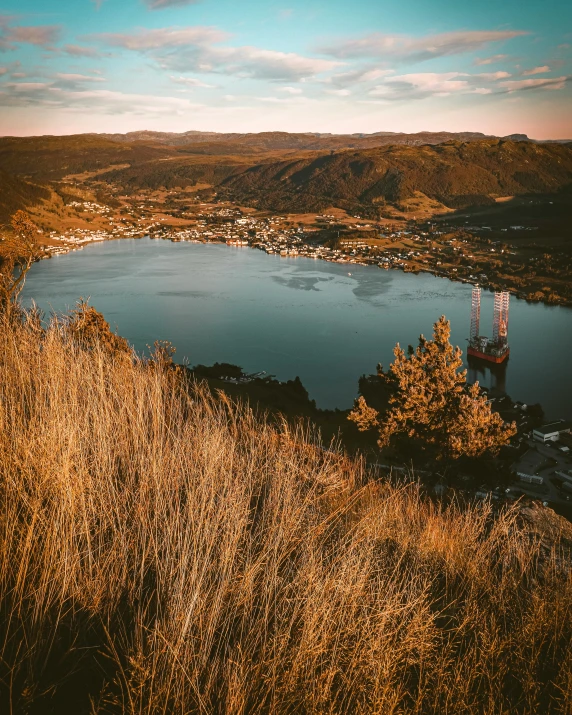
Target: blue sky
[(70, 66)]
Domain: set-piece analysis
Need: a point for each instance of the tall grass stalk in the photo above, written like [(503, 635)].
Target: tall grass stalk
[(162, 551)]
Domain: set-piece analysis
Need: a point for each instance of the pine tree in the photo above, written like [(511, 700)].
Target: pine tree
[(431, 402)]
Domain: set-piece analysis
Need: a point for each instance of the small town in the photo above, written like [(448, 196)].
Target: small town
[(466, 255), (542, 470)]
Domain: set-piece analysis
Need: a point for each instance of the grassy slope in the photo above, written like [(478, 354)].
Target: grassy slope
[(180, 171), (164, 552)]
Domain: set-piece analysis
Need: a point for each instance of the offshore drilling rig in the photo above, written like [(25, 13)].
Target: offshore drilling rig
[(495, 349)]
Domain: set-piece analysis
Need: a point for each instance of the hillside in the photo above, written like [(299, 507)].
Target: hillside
[(456, 174), (179, 172), (16, 194), (162, 551), (51, 158), (301, 172)]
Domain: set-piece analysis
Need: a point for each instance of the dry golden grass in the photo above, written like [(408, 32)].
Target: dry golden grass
[(163, 552)]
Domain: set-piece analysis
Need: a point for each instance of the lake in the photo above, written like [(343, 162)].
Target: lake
[(328, 323)]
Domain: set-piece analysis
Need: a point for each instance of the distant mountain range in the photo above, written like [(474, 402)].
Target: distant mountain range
[(279, 141), (311, 141), (283, 171)]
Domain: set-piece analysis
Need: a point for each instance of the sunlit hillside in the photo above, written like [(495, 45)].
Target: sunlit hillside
[(285, 172), (165, 551)]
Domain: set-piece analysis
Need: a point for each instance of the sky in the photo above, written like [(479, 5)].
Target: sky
[(492, 66)]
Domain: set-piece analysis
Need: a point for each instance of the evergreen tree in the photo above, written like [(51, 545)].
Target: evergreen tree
[(431, 402)]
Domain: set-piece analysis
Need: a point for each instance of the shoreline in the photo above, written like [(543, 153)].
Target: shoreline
[(487, 285), (213, 255)]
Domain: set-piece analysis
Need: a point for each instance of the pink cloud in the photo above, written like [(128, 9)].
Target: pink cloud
[(419, 48), (493, 76), (80, 51), (537, 70), (519, 84), (490, 60), (35, 34), (160, 4), (164, 38)]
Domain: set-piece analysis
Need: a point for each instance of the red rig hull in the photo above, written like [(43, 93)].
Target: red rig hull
[(497, 359)]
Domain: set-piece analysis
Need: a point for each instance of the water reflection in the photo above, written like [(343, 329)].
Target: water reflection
[(300, 282), (371, 288), (493, 376)]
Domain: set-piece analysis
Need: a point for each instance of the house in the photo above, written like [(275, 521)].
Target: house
[(530, 478), (566, 475), (529, 465), (566, 439), (551, 432)]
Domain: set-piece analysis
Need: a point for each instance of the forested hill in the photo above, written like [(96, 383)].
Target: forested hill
[(295, 172), (17, 194), (51, 158), (455, 173)]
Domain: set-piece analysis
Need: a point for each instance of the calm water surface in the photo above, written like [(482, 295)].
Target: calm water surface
[(328, 323)]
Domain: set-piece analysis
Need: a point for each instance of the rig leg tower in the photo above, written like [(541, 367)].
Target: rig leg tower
[(495, 349), (475, 312)]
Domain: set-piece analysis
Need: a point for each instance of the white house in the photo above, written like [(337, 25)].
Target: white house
[(550, 432)]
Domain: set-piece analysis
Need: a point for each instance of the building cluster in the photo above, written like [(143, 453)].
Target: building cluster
[(270, 235), (90, 207), (547, 464), (439, 249), (552, 432), (77, 238)]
